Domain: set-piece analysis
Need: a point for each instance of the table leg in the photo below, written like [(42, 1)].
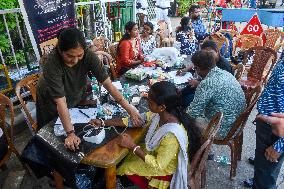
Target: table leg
[(110, 174), (58, 179)]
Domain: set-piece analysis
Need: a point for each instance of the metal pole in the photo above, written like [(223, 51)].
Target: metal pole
[(29, 29), (12, 46), (22, 42), (2, 58)]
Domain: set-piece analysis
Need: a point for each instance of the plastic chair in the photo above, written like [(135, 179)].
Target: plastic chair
[(246, 41), (238, 71), (234, 138), (220, 40), (28, 83), (107, 59), (6, 104), (274, 38), (263, 61), (197, 170), (101, 43)]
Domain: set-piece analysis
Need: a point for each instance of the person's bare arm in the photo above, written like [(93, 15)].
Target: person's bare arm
[(132, 111), (72, 141)]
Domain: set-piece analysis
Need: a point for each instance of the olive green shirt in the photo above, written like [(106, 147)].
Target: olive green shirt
[(58, 80)]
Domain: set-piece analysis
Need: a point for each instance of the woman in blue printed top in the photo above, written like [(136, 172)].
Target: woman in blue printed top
[(186, 37)]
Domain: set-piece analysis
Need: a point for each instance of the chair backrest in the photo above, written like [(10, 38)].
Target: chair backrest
[(238, 71), (6, 104), (107, 59), (274, 38), (263, 58), (246, 41), (198, 162), (28, 83), (220, 40), (101, 43), (164, 29), (112, 49), (252, 95)]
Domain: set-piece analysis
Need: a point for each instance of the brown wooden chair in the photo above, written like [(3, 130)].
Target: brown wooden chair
[(107, 59), (238, 71), (263, 61), (197, 169), (6, 106), (274, 38), (28, 83), (234, 138), (220, 40), (246, 41)]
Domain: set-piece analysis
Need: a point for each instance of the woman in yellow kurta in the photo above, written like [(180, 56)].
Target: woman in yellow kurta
[(162, 161)]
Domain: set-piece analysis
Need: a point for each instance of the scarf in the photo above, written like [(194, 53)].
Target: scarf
[(153, 139)]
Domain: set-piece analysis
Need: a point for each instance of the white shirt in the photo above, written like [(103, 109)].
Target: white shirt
[(164, 3), (1, 132)]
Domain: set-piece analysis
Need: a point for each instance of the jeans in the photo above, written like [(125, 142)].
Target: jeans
[(187, 96), (265, 172)]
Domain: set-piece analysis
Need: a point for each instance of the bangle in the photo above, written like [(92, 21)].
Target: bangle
[(103, 122), (70, 132), (135, 149)]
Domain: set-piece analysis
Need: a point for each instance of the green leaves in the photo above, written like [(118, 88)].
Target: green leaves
[(184, 5)]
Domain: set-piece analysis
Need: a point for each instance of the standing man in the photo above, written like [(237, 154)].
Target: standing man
[(64, 80), (269, 147), (196, 23), (162, 11)]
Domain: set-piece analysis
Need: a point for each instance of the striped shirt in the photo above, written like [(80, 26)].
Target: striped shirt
[(272, 98)]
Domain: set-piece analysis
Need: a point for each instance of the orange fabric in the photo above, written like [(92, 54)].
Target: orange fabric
[(126, 54)]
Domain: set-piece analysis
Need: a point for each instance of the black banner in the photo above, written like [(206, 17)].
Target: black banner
[(47, 18)]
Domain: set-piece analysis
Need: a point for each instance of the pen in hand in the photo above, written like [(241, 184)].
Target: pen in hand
[(84, 113)]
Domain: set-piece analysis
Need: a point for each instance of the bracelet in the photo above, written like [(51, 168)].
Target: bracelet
[(70, 132), (135, 149), (103, 122)]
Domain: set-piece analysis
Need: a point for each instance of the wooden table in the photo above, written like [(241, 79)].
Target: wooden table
[(109, 155)]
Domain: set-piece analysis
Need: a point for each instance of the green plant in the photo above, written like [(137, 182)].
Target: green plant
[(184, 5), (19, 56), (11, 23)]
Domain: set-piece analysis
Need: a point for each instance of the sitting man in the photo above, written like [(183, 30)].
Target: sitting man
[(218, 91), (222, 63)]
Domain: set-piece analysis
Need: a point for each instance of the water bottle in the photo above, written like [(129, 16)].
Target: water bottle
[(95, 89), (126, 91)]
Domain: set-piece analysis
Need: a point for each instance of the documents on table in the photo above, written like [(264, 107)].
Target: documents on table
[(180, 79), (80, 115)]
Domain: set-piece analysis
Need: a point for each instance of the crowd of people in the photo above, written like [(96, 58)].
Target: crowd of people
[(172, 139)]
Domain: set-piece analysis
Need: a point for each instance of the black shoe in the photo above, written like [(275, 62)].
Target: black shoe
[(248, 183), (251, 160)]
